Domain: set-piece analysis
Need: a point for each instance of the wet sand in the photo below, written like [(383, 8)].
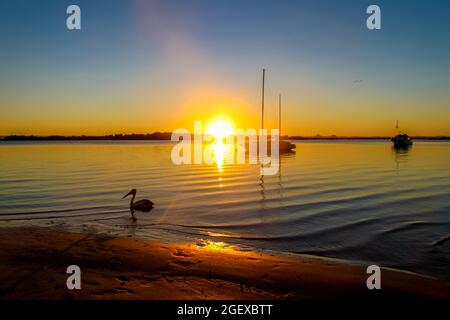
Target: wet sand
[(33, 264)]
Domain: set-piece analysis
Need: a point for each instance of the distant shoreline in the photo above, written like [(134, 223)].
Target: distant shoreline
[(161, 136)]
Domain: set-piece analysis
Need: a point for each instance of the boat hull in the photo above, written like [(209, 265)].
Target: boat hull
[(402, 141)]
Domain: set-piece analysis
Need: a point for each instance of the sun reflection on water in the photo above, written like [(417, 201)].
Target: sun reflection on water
[(213, 245), (219, 153), (220, 129)]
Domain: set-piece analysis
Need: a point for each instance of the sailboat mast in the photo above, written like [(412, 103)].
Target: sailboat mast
[(279, 114), (262, 98)]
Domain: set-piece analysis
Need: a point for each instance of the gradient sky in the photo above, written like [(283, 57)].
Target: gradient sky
[(144, 66)]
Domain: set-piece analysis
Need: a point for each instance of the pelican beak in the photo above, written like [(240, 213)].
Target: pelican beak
[(126, 195)]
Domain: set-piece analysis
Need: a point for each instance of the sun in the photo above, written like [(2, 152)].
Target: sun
[(219, 128)]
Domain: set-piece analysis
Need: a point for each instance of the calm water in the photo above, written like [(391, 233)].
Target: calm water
[(356, 200)]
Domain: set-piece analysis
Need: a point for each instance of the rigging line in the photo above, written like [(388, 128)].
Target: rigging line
[(271, 105)]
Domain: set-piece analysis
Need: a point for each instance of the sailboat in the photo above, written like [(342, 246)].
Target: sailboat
[(284, 145), (401, 140)]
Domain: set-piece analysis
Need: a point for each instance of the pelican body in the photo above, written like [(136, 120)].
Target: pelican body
[(141, 205)]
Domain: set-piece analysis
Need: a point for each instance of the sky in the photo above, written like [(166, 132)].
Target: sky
[(142, 66)]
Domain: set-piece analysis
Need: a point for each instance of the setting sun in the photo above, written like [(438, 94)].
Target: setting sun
[(220, 128)]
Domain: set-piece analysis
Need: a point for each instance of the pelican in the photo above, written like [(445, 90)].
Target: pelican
[(141, 205)]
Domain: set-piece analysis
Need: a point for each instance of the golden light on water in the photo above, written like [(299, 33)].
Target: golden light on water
[(219, 152), (222, 247), (213, 245), (220, 128)]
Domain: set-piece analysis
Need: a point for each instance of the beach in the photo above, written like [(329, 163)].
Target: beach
[(34, 261)]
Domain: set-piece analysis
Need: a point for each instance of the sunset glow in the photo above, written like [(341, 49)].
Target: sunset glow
[(220, 128), (156, 75)]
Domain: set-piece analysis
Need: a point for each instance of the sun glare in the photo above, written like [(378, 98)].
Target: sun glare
[(219, 128)]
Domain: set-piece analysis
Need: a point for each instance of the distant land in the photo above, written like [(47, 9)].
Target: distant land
[(149, 136), (167, 136)]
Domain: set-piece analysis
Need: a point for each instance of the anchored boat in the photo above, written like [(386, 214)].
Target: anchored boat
[(284, 145), (401, 140)]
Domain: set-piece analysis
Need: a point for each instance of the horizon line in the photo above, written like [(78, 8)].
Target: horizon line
[(166, 135)]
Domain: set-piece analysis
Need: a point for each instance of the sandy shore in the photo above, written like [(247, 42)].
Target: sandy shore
[(33, 265)]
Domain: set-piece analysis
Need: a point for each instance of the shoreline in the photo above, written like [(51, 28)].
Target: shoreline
[(34, 261), (294, 139)]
